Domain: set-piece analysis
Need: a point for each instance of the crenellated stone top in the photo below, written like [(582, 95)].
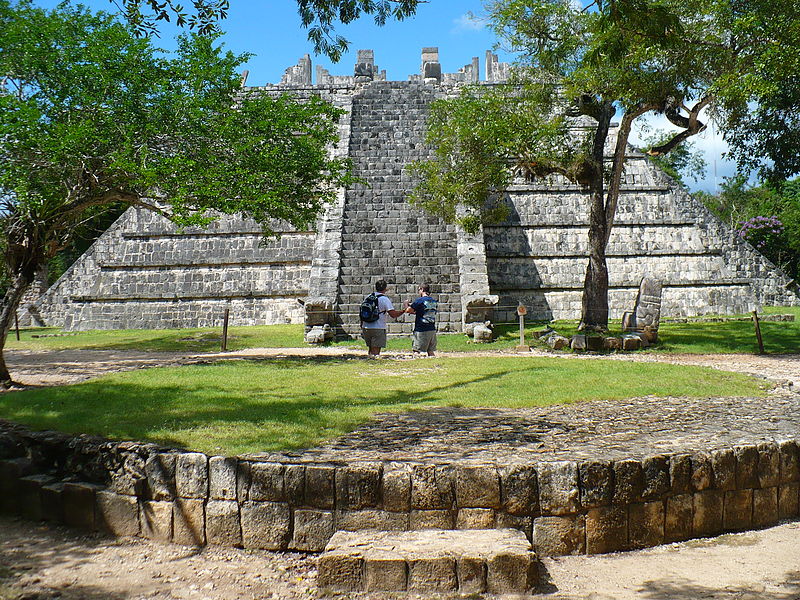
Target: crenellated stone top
[(365, 70)]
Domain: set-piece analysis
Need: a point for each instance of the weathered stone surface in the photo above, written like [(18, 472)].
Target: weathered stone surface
[(556, 341), (746, 467), (475, 518), (312, 530), (680, 473), (340, 570), (578, 342), (724, 463), (646, 524), (53, 502), (594, 343), (294, 479), (320, 486), (596, 483), (155, 520), (432, 487), (606, 529), (222, 523), (358, 486), (655, 471), (631, 342), (628, 481), (11, 470), (222, 478), (520, 490), (789, 462), (436, 561), (191, 475), (160, 472), (678, 524), (558, 488), (559, 536), (477, 487), (266, 482), (118, 514), (432, 574), (612, 343), (431, 519), (396, 488), (510, 572), (79, 504), (29, 495), (738, 511), (265, 525), (189, 522), (357, 520), (243, 469), (769, 465), (708, 512), (765, 507), (702, 472), (521, 523), (384, 570), (788, 500)]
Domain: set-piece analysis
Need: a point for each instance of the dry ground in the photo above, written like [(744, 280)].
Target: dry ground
[(43, 562)]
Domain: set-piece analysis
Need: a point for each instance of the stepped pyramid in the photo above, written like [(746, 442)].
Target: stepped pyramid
[(144, 273)]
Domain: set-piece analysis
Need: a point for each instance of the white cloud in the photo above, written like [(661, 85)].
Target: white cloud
[(468, 22)]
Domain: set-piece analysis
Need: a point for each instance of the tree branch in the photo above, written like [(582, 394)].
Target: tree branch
[(691, 124)]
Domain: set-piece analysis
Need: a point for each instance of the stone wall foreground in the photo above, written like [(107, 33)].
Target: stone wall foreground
[(145, 273), (563, 507)]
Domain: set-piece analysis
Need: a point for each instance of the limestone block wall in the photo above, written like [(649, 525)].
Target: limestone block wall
[(144, 273), (281, 502), (538, 256)]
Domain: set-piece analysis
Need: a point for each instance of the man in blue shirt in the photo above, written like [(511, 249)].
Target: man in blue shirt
[(424, 309)]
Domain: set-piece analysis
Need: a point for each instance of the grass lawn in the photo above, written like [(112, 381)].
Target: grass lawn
[(696, 338), (238, 407)]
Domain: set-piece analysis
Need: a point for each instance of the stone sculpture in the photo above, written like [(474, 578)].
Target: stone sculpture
[(647, 310)]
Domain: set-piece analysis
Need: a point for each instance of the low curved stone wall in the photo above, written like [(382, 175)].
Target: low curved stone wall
[(564, 507)]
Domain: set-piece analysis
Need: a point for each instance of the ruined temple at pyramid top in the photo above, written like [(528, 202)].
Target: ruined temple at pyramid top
[(144, 273)]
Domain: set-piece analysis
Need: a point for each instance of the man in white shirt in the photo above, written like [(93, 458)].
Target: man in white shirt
[(374, 333)]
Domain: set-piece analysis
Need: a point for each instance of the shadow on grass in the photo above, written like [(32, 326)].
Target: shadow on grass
[(729, 337), (272, 416)]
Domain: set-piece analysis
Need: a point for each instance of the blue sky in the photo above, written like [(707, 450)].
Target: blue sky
[(273, 33)]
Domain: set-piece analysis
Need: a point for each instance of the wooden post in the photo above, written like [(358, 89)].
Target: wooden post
[(16, 325), (225, 328), (758, 333), (522, 311)]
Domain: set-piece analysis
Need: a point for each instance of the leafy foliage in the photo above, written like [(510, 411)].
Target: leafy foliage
[(123, 123), (767, 216), (318, 16), (688, 60)]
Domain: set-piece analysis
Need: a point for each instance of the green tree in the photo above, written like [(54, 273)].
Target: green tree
[(626, 58), (767, 216), (318, 16), (92, 116)]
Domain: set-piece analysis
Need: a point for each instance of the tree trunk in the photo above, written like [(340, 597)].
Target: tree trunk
[(594, 304), (8, 309)]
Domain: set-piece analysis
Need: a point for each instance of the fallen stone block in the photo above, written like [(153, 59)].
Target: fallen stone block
[(556, 341), (497, 561), (578, 342)]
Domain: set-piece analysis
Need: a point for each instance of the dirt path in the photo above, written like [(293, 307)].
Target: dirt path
[(42, 562)]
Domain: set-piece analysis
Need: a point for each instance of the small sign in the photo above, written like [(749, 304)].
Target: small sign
[(521, 310)]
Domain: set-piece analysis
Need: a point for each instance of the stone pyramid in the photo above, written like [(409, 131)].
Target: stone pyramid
[(144, 273)]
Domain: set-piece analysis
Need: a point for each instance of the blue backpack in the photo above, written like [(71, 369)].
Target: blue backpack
[(369, 311)]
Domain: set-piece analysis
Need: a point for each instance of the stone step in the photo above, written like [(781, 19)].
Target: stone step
[(497, 561)]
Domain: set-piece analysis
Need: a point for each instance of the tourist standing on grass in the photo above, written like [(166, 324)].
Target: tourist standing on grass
[(424, 309), (373, 313)]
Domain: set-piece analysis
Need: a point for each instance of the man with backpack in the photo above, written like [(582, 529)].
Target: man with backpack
[(424, 309), (373, 313)]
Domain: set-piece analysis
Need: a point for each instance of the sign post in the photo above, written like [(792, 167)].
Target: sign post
[(521, 312)]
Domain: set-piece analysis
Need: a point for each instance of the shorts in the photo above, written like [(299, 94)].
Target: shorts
[(375, 338), (424, 341)]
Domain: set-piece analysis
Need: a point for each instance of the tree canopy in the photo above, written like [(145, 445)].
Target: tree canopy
[(581, 66), (92, 116), (318, 16)]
